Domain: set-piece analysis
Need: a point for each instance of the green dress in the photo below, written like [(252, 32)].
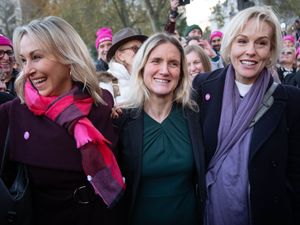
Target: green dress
[(166, 194)]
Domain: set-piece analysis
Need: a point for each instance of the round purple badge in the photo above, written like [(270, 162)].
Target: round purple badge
[(26, 135), (207, 97)]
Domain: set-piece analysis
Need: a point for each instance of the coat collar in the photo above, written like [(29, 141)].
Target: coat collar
[(211, 105)]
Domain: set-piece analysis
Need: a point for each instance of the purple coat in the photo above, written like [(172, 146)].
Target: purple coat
[(54, 164)]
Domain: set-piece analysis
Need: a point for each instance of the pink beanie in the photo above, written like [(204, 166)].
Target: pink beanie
[(5, 41), (215, 34), (103, 34), (289, 38)]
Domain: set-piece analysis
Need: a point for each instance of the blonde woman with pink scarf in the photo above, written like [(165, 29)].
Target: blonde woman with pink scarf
[(60, 127)]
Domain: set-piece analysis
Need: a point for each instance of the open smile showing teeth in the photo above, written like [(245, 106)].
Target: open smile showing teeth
[(246, 62), (161, 81), (38, 81)]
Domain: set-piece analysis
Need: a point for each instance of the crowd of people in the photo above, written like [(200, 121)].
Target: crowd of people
[(162, 129)]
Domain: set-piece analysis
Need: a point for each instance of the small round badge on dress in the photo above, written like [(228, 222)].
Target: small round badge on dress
[(26, 135), (207, 97)]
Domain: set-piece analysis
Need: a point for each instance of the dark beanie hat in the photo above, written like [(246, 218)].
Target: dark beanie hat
[(188, 29)]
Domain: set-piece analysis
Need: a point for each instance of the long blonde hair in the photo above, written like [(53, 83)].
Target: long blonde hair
[(57, 37), (139, 93)]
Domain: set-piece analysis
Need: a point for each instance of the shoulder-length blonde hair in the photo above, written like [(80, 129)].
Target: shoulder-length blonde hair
[(139, 93), (260, 14), (57, 37), (201, 54)]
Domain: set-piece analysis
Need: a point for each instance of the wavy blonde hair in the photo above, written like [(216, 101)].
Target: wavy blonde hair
[(57, 37), (139, 93)]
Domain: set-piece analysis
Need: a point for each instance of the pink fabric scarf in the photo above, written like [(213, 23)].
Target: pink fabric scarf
[(70, 111)]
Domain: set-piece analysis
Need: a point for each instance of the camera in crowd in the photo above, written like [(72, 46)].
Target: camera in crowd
[(184, 2)]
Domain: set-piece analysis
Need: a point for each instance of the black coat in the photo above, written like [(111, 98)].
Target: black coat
[(131, 148), (293, 79), (101, 65), (274, 161), (5, 97)]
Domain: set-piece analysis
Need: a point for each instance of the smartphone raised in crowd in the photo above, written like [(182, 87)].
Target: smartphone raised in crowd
[(184, 2)]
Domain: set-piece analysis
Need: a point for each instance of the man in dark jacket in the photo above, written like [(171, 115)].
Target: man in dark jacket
[(7, 61), (102, 44)]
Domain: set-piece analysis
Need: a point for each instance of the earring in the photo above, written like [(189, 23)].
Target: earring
[(269, 63)]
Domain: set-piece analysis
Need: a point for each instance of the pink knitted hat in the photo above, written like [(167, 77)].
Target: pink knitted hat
[(215, 34), (289, 38), (5, 41), (103, 34)]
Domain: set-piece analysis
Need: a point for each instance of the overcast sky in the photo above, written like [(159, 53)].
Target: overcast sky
[(198, 12)]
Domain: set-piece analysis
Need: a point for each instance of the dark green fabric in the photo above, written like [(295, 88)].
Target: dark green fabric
[(166, 193)]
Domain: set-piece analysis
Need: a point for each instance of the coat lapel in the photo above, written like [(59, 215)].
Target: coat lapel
[(267, 124), (210, 108), (135, 131), (195, 131)]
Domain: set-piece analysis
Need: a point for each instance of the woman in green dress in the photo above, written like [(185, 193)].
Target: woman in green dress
[(162, 158)]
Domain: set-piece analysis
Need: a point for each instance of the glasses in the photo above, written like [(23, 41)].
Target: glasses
[(10, 53), (132, 48), (286, 53)]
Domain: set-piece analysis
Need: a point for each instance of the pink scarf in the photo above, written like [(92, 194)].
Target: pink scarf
[(70, 111)]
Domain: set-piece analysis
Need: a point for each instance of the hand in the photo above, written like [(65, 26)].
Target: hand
[(116, 112), (174, 4), (207, 48)]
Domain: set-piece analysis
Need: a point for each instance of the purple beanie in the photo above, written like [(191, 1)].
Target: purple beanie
[(103, 34), (5, 41)]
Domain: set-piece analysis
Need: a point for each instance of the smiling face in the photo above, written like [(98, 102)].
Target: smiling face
[(216, 43), (48, 76), (194, 64), (103, 49), (251, 51), (162, 71), (6, 62)]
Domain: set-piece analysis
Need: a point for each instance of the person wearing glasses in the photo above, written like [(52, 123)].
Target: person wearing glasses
[(294, 78), (7, 62), (286, 64), (125, 44)]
